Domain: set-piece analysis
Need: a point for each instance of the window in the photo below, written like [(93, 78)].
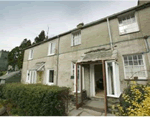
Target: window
[(134, 66), (128, 23), (76, 38), (112, 78), (31, 76), (51, 49), (50, 77), (31, 54)]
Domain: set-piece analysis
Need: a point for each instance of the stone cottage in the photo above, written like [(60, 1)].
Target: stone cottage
[(99, 57)]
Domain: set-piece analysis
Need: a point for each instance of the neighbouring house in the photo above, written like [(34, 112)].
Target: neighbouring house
[(11, 77), (99, 58), (3, 60)]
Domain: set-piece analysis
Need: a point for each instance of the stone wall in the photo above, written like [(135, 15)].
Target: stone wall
[(110, 102)]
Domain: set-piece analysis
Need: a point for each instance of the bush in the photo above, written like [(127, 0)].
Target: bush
[(135, 101), (35, 99)]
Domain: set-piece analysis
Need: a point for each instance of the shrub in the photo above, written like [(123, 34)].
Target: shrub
[(135, 101), (35, 99)]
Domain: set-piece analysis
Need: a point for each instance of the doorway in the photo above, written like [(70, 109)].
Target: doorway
[(98, 75), (96, 81)]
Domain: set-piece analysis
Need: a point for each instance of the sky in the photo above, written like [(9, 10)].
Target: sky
[(26, 19)]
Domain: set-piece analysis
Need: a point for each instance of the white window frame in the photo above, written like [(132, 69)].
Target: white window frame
[(32, 77), (116, 80), (74, 74), (129, 24), (50, 83), (77, 40), (51, 48), (144, 65), (31, 52)]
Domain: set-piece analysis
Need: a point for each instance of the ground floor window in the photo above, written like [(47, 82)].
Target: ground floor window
[(31, 76), (112, 78), (134, 66), (50, 77)]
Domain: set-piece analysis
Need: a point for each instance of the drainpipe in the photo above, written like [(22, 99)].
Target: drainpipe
[(146, 43), (57, 60), (109, 31)]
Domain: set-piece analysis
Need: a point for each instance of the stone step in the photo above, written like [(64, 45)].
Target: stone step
[(94, 108)]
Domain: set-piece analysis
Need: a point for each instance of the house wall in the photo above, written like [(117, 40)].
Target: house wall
[(92, 37), (40, 54)]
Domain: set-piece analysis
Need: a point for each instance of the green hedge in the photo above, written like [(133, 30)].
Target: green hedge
[(35, 99)]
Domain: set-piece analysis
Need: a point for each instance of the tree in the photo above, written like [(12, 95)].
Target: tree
[(26, 43), (41, 37), (13, 56), (16, 55)]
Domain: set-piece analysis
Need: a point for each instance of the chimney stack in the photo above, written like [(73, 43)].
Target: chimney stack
[(80, 25)]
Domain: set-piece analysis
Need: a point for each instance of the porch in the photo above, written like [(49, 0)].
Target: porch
[(96, 74)]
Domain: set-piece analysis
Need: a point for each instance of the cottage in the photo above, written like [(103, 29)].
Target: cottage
[(99, 58)]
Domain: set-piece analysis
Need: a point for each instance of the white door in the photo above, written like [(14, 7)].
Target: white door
[(92, 81), (32, 77), (112, 79)]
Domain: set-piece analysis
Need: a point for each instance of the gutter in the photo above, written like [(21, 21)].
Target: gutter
[(96, 22)]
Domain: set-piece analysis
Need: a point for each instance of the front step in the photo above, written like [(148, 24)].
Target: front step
[(97, 99), (94, 108)]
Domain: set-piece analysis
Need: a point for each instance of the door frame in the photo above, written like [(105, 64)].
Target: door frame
[(92, 79)]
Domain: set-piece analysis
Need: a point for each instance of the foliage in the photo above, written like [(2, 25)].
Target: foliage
[(135, 101), (26, 43), (2, 73), (41, 37), (15, 56), (35, 99)]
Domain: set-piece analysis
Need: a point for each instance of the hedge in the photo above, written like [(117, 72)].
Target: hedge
[(35, 99)]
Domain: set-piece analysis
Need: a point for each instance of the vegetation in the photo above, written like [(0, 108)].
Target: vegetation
[(40, 38), (15, 56), (34, 99), (135, 101), (2, 73)]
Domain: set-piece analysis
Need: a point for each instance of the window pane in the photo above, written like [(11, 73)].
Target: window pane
[(130, 58), (51, 76), (126, 62), (110, 78), (139, 56), (135, 63), (125, 58), (140, 62), (134, 57), (130, 62)]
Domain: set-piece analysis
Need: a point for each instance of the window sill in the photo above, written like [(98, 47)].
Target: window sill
[(128, 33), (30, 59), (51, 54), (75, 45), (139, 79), (114, 96), (50, 83)]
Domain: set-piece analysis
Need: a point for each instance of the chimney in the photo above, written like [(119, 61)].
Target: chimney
[(80, 25)]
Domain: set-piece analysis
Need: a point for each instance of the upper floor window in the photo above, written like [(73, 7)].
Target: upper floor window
[(31, 54), (51, 49), (134, 66), (76, 38), (128, 23)]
